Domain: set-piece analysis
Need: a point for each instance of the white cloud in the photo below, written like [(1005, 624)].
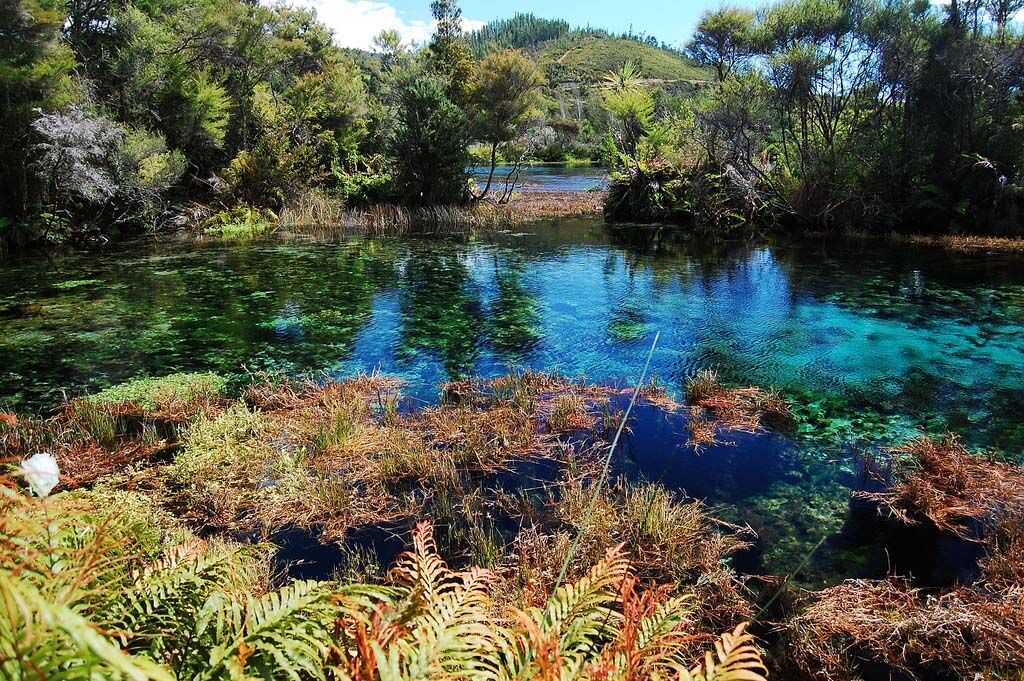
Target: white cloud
[(355, 22)]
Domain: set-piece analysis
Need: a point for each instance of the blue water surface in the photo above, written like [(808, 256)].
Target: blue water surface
[(546, 178), (872, 343)]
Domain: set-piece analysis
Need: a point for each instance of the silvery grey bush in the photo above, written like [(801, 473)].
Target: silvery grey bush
[(73, 153), (86, 156)]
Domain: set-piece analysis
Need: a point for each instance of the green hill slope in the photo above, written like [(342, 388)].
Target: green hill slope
[(586, 58), (568, 55)]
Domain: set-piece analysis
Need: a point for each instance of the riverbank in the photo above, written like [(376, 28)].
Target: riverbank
[(963, 243)]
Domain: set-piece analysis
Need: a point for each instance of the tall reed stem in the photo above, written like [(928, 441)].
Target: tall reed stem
[(607, 463)]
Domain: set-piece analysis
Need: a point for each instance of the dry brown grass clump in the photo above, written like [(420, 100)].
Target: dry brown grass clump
[(744, 409), (672, 540), (564, 404), (963, 631), (1003, 566), (956, 490), (966, 631), (703, 432), (273, 392), (965, 243), (715, 408)]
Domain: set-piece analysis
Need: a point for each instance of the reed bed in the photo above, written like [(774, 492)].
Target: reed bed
[(318, 214), (312, 208)]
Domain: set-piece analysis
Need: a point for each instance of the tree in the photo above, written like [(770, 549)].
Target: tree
[(522, 30), (631, 103), (448, 53), (388, 44), (723, 40), (430, 144), (73, 155), (36, 71), (503, 93)]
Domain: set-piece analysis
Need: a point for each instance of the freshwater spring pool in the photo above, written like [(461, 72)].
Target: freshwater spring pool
[(872, 343)]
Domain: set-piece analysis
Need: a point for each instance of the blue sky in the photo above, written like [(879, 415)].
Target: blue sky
[(355, 22)]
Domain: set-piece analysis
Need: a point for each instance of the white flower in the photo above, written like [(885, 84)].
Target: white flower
[(42, 473)]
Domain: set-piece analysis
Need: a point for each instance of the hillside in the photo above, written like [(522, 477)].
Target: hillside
[(586, 58), (582, 55)]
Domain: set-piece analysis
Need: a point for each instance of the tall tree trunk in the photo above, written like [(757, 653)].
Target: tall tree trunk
[(490, 175)]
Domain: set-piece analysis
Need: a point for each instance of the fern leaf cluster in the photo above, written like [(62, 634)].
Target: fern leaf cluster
[(80, 598)]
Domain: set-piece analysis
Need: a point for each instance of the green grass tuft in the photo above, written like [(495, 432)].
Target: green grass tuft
[(151, 394)]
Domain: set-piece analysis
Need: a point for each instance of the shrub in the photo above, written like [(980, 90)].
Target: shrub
[(240, 221), (431, 142)]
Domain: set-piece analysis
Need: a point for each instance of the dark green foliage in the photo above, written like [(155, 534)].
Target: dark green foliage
[(430, 138), (836, 115), (448, 53), (35, 71), (124, 107), (521, 31)]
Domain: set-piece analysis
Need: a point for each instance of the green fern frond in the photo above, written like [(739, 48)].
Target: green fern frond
[(444, 620), (284, 633), (573, 626), (659, 635), (579, 613), (736, 658), (421, 569), (453, 638), (45, 640)]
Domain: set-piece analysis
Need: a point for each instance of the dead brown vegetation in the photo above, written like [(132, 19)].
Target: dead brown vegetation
[(939, 480), (340, 455), (968, 630)]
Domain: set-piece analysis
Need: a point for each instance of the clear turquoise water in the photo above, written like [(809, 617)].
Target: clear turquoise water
[(872, 343)]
